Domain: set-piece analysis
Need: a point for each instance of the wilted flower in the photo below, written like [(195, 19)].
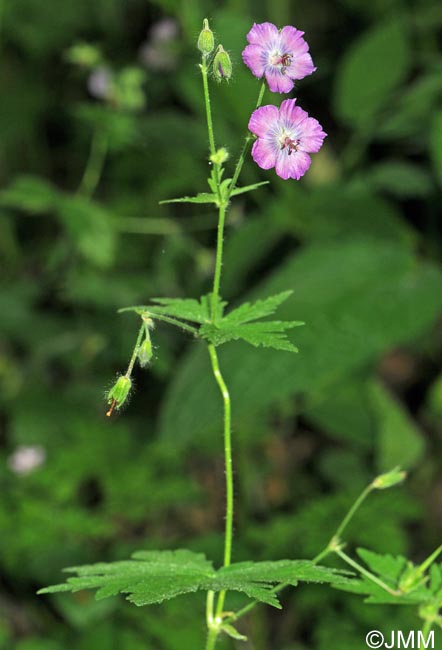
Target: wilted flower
[(26, 459), (286, 136), (279, 55)]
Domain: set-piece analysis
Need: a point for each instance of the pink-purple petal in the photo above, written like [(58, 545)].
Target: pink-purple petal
[(292, 41), (301, 66), (254, 56), (264, 153), (312, 135), (263, 120), (278, 82), (293, 166), (263, 34), (291, 114)]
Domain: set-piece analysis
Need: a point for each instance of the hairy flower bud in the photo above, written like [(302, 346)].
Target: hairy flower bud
[(222, 65), (389, 479), (206, 40), (145, 351), (220, 156), (118, 393)]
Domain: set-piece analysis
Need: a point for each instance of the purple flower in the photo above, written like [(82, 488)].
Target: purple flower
[(280, 56), (286, 136)]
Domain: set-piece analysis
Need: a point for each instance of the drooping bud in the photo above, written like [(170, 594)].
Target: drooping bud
[(206, 40), (220, 156), (389, 479), (118, 393), (145, 351), (222, 65)]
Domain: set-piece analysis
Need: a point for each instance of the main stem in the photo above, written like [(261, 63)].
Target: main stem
[(228, 461), (214, 618), (218, 260)]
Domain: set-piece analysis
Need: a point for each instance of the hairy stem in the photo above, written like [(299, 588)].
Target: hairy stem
[(218, 260), (94, 166), (135, 351), (229, 467), (204, 72)]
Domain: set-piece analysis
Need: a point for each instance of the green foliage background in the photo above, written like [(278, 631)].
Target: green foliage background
[(358, 241)]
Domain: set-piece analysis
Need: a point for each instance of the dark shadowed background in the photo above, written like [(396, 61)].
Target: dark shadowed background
[(358, 240)]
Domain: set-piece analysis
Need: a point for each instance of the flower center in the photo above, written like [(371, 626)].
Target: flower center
[(289, 143), (283, 60)]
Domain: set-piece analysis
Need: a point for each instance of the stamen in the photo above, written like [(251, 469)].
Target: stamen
[(292, 145)]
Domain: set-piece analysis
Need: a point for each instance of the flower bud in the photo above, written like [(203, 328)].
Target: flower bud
[(118, 393), (145, 351), (389, 479), (206, 40), (220, 156), (222, 65)]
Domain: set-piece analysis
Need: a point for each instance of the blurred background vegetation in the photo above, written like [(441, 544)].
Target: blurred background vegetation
[(358, 240)]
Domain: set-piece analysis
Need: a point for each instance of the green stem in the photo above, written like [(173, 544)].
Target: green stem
[(204, 72), (135, 351), (229, 467), (166, 319), (173, 321), (367, 574), (429, 561), (94, 166), (350, 514), (218, 260), (211, 638), (426, 629), (248, 139)]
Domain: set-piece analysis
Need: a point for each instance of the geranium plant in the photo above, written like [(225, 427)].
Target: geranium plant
[(283, 137)]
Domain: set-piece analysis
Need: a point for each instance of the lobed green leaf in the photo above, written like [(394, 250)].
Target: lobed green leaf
[(268, 334), (154, 576)]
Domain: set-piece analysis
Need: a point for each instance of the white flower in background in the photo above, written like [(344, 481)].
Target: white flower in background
[(159, 52), (26, 459), (100, 82)]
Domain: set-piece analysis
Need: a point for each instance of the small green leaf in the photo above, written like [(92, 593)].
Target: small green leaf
[(203, 197), (248, 188), (387, 566), (232, 632)]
